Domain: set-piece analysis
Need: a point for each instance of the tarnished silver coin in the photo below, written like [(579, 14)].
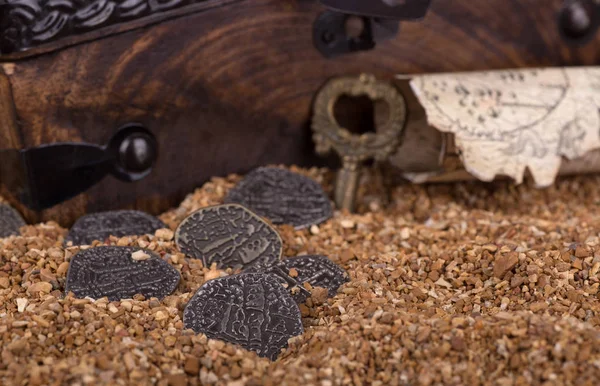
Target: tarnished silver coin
[(316, 270), (120, 273), (229, 235), (251, 310), (282, 196), (10, 221), (119, 223)]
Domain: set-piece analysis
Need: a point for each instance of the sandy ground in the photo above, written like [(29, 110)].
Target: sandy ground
[(457, 284)]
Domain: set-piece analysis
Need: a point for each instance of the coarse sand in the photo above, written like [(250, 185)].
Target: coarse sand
[(456, 284)]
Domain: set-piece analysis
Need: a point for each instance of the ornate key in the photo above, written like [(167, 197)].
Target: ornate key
[(355, 149)]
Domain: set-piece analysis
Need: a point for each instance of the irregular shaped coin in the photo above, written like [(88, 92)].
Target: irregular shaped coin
[(251, 310), (316, 270), (113, 272), (282, 196), (10, 221), (119, 223), (229, 235)]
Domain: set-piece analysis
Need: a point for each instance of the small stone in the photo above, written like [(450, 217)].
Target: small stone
[(153, 303), (21, 304), (170, 341), (46, 275), (293, 272), (76, 315), (40, 287), (458, 343), (127, 305), (214, 274), (140, 255), (581, 252), (538, 306), (490, 247), (177, 380), (595, 269), (319, 295), (347, 223), (505, 263), (62, 268), (161, 315), (347, 255), (192, 366), (563, 267), (443, 283), (164, 234), (577, 264), (4, 282), (314, 229), (405, 233)]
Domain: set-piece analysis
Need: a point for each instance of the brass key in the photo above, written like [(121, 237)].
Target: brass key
[(355, 149)]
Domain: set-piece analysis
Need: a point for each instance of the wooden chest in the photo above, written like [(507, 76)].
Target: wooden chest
[(219, 86)]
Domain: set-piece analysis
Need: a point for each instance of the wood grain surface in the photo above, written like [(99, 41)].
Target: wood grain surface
[(231, 88)]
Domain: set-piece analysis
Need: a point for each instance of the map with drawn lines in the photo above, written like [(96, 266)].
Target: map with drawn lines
[(507, 121)]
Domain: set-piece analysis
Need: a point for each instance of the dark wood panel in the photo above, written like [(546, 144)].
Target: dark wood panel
[(231, 88)]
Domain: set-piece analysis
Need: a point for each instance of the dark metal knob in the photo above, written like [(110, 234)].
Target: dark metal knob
[(578, 19), (137, 153), (134, 152)]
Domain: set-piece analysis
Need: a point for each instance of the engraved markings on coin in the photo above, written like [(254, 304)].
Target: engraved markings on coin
[(115, 273), (10, 221), (316, 270), (230, 236), (118, 223), (251, 310), (282, 196)]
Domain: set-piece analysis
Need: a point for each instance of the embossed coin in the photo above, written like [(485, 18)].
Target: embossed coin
[(229, 235), (10, 221), (113, 272), (316, 270), (251, 310), (282, 196), (119, 223)]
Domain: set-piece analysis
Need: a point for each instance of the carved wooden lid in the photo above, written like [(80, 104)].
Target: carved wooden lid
[(29, 27)]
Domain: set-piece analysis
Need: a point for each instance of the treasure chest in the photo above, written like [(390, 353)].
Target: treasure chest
[(108, 104)]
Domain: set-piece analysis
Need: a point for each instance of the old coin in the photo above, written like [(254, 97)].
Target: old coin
[(113, 272), (318, 271), (230, 236), (251, 310), (10, 221), (119, 223), (282, 196)]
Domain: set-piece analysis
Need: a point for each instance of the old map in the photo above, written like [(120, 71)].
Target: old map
[(505, 122)]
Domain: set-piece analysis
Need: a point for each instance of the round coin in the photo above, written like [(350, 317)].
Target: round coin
[(230, 236), (251, 310), (118, 223), (282, 196), (10, 221), (316, 270), (120, 273)]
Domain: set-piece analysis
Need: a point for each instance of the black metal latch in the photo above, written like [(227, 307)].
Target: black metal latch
[(357, 25), (44, 176)]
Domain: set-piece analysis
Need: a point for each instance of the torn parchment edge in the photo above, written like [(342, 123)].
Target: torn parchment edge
[(578, 90)]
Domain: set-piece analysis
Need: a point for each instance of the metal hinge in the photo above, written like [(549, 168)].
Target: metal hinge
[(358, 25), (43, 176)]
